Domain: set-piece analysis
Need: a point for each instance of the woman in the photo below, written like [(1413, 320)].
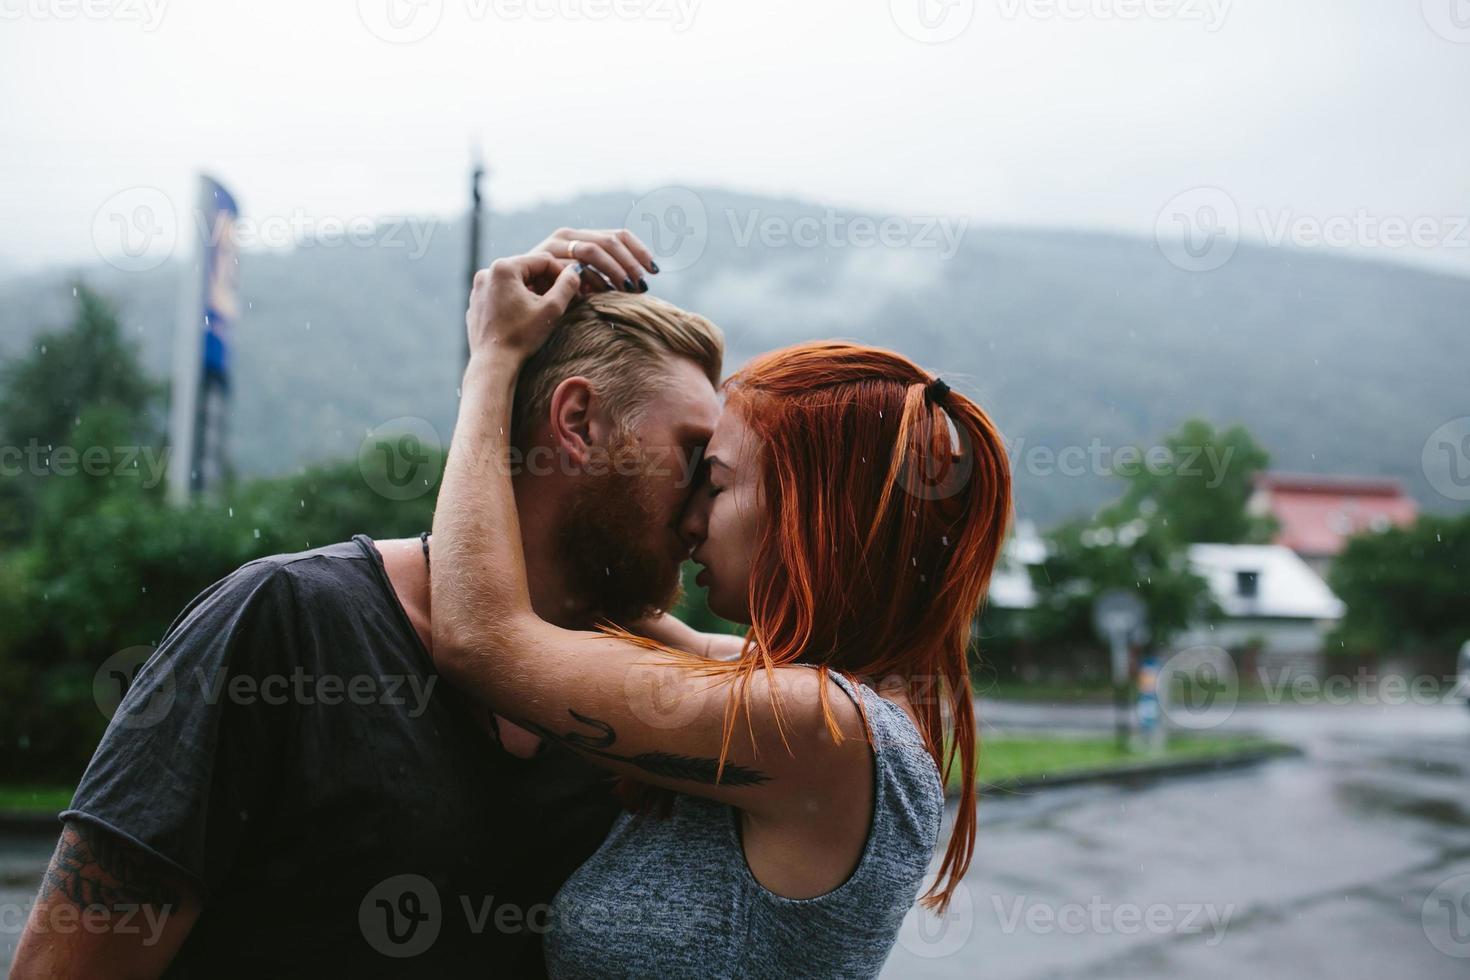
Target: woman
[(852, 511)]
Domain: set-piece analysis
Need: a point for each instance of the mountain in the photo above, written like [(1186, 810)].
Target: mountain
[(1069, 339)]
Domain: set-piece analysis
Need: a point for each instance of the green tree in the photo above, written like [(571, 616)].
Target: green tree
[(1405, 588), (1085, 559), (1198, 487), (84, 377)]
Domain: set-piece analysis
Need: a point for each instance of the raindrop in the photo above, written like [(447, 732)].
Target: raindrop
[(257, 534), (232, 512)]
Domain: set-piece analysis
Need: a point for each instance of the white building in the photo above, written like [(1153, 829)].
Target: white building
[(1270, 597)]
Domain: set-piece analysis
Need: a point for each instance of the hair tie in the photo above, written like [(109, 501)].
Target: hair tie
[(936, 390)]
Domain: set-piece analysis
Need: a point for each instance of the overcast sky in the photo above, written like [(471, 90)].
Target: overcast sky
[(1091, 113)]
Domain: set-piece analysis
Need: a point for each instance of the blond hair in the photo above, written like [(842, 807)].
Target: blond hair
[(621, 344)]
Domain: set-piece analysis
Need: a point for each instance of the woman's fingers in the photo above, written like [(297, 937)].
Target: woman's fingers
[(616, 253), (640, 252)]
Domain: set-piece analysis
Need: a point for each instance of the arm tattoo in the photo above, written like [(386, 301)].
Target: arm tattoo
[(696, 769), (95, 869)]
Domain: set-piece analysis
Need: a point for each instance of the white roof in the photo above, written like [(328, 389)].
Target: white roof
[(1286, 586)]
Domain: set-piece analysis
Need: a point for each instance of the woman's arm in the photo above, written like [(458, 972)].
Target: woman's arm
[(640, 712), (671, 631)]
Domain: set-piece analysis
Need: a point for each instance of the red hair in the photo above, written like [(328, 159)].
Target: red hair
[(887, 505)]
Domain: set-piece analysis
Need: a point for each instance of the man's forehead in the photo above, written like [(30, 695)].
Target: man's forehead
[(688, 403)]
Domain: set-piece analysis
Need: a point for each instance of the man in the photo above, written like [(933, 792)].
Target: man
[(287, 791)]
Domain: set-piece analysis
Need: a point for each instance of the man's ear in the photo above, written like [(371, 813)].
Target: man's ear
[(576, 419)]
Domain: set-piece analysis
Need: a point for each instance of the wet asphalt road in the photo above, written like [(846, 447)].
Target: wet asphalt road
[(1352, 860)]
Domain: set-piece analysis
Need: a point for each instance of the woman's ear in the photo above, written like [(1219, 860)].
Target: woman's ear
[(573, 428)]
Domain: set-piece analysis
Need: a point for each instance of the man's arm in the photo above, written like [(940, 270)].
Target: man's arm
[(105, 910)]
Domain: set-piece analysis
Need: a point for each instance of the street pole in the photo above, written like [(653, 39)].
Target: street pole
[(477, 172), (1121, 724)]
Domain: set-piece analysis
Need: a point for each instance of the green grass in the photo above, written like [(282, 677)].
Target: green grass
[(35, 799), (1004, 758)]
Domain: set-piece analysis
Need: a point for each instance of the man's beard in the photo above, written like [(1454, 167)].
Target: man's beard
[(613, 546)]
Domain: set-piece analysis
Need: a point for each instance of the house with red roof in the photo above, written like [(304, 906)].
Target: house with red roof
[(1316, 514)]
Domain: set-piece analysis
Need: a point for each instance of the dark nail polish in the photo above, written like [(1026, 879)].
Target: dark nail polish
[(642, 285), (628, 284), (653, 265)]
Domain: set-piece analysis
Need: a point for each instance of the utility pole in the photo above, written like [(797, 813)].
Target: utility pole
[(477, 172)]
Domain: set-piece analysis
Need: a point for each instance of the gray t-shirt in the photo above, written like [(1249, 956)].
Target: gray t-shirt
[(674, 897)]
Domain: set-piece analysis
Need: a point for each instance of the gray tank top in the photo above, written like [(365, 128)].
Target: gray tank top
[(674, 897)]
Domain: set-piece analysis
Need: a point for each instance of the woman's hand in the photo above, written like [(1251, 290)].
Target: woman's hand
[(515, 303), (615, 258)]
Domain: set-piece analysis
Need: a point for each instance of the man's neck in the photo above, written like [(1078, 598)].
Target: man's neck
[(403, 558)]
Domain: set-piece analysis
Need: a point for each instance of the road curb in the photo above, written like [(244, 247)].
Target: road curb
[(1136, 773)]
